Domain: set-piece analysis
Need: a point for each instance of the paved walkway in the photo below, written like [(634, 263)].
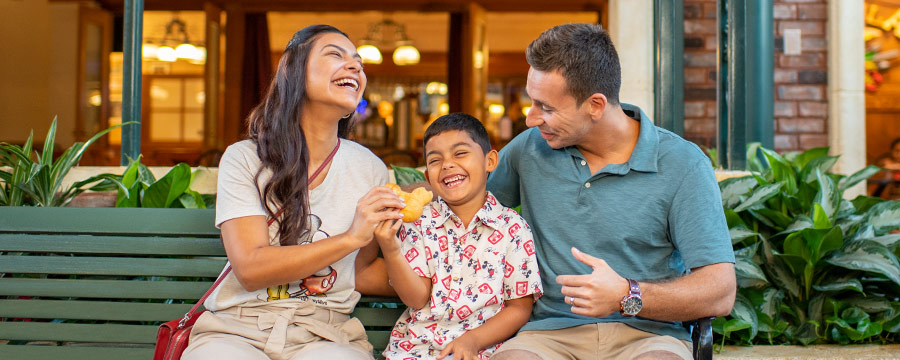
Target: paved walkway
[(811, 352)]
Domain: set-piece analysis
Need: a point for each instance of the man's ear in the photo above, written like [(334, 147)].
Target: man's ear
[(491, 158), (596, 104)]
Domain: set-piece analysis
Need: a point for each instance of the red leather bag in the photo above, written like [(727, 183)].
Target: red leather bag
[(172, 337)]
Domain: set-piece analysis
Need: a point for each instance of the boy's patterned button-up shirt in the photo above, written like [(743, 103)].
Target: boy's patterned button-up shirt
[(473, 270)]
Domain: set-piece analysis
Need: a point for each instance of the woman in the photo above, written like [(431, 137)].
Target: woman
[(292, 285)]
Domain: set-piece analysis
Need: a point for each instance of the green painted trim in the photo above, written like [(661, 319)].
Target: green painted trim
[(108, 221), (131, 79), (111, 289), (74, 352), (92, 310), (80, 244), (746, 73), (108, 333), (119, 266), (668, 79)]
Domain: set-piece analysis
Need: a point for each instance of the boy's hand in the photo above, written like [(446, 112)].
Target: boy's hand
[(378, 205), (463, 348), (386, 236)]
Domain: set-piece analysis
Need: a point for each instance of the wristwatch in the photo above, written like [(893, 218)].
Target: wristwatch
[(631, 304)]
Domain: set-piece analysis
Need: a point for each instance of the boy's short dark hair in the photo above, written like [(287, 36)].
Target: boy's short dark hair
[(461, 122)]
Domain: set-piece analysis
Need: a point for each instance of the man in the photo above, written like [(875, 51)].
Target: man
[(627, 217)]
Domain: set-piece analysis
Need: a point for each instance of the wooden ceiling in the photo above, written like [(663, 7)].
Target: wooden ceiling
[(362, 5)]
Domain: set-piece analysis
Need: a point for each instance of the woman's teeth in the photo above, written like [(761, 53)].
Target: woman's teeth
[(347, 82)]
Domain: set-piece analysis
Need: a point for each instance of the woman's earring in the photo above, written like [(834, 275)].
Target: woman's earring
[(347, 116)]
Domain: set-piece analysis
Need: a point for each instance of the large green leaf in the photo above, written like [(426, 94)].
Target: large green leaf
[(867, 256), (743, 310), (741, 232), (889, 241), (407, 176), (884, 217), (168, 188), (758, 196), (753, 162), (852, 285), (820, 217), (749, 274), (823, 164), (826, 196), (801, 160), (864, 203), (733, 189), (776, 218), (782, 170), (870, 304), (858, 176)]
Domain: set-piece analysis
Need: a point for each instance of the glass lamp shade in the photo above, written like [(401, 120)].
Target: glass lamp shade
[(166, 53), (186, 51), (369, 54), (149, 50), (406, 55)]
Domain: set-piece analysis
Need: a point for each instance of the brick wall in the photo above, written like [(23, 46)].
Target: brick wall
[(801, 102), (700, 72)]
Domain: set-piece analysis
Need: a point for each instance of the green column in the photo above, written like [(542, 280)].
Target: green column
[(746, 78), (131, 79), (668, 79)]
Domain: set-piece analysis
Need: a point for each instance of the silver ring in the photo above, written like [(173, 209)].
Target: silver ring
[(571, 300)]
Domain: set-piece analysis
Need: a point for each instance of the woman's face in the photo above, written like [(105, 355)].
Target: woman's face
[(335, 75)]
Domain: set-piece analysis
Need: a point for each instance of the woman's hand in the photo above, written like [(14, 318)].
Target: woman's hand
[(463, 348), (386, 236), (378, 205)]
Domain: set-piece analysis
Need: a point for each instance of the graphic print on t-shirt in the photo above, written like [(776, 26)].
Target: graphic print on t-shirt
[(316, 284)]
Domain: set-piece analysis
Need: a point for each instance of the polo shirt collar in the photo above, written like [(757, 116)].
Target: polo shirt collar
[(490, 214), (645, 155)]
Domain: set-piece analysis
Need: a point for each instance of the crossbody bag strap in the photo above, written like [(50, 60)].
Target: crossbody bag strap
[(268, 223)]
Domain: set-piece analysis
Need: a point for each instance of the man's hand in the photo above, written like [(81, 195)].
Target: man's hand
[(463, 348), (597, 294)]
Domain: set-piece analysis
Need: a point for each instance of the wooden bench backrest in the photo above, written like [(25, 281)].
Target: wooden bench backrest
[(104, 278)]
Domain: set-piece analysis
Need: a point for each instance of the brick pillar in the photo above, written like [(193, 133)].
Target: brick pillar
[(801, 99), (700, 72)]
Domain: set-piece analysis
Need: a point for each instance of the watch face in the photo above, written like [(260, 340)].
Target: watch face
[(632, 305)]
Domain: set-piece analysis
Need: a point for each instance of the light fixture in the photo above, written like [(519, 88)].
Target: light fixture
[(174, 45), (386, 34)]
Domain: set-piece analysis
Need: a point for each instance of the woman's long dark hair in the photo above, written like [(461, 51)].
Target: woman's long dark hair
[(281, 143)]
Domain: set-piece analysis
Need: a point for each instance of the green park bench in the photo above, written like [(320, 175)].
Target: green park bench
[(95, 283), (89, 283)]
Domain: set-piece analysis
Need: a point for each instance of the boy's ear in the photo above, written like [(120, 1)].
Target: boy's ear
[(492, 158), (426, 176)]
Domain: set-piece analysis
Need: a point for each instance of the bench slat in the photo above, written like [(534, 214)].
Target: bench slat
[(375, 316), (379, 339), (108, 289), (107, 333), (84, 265), (146, 221), (111, 244), (91, 310), (74, 352)]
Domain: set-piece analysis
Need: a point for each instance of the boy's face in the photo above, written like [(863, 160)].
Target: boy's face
[(457, 168)]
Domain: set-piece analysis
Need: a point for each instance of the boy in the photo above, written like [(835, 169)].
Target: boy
[(466, 267)]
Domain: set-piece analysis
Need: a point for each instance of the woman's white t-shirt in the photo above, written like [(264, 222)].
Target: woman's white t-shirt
[(354, 171)]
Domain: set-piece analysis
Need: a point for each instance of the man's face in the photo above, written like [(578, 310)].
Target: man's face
[(554, 111)]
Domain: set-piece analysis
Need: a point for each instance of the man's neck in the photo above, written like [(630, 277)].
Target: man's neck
[(611, 141)]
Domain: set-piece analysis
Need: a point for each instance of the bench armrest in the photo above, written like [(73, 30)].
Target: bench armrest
[(702, 337)]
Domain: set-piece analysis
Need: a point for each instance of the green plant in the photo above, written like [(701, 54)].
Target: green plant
[(139, 188), (812, 267), (407, 175), (38, 181)]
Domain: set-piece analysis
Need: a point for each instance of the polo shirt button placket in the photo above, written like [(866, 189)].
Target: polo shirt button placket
[(583, 163)]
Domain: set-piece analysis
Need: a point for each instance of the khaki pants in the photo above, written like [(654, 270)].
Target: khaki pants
[(595, 341), (277, 331)]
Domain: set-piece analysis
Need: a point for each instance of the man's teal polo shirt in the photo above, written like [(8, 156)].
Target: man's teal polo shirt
[(652, 218)]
